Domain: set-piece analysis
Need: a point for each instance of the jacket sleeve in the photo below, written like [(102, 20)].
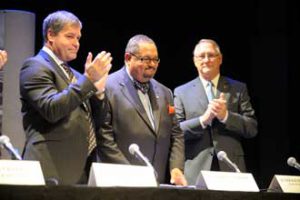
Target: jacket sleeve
[(108, 149), (42, 88)]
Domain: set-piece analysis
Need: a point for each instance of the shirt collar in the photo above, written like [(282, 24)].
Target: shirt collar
[(52, 55), (214, 80), (127, 71)]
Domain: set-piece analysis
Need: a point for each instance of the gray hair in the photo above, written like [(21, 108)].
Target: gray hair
[(214, 43), (133, 43), (57, 20)]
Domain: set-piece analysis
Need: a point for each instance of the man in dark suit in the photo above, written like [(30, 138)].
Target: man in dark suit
[(141, 111), (62, 109), (214, 112)]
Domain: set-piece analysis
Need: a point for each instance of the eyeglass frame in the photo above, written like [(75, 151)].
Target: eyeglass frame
[(210, 56), (146, 59)]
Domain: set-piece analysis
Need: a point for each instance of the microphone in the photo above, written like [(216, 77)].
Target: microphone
[(223, 157), (134, 149), (291, 161), (51, 181), (4, 140)]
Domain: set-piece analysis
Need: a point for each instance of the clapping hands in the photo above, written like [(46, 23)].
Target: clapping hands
[(97, 70), (217, 108)]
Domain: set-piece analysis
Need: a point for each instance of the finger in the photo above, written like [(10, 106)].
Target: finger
[(222, 96), (172, 181), (183, 181), (102, 60), (219, 102), (106, 56), (108, 68), (89, 59), (98, 59), (107, 61), (104, 70)]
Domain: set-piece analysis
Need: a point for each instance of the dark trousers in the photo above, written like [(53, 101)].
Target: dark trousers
[(215, 164)]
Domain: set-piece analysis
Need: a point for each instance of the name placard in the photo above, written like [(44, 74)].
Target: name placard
[(282, 183), (110, 175), (226, 181), (19, 172)]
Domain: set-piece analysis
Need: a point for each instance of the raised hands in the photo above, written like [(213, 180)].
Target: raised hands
[(97, 70), (219, 107), (216, 108)]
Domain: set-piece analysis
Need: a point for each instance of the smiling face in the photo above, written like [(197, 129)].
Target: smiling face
[(207, 59), (143, 64), (65, 44)]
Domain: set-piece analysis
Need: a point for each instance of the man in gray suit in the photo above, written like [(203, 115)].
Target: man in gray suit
[(214, 112), (62, 109), (141, 111)]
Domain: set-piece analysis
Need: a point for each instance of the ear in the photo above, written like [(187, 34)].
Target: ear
[(221, 59), (194, 60), (127, 56), (50, 35)]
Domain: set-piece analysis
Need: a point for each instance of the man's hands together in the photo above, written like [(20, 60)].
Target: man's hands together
[(97, 70), (216, 108)]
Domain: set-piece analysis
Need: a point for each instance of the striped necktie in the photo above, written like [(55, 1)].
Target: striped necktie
[(68, 71), (210, 91), (91, 137)]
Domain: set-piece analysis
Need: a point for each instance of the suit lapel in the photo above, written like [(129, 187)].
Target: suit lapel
[(130, 93), (223, 86), (199, 91), (59, 70), (53, 64)]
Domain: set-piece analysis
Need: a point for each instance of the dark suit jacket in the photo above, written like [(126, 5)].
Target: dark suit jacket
[(191, 102), (54, 120), (127, 123)]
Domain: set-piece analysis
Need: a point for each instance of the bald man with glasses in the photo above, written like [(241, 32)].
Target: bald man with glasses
[(141, 111)]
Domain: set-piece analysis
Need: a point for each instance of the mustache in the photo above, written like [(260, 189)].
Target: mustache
[(151, 67)]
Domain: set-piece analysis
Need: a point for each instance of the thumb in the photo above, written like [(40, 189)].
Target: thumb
[(222, 96), (88, 59), (172, 180)]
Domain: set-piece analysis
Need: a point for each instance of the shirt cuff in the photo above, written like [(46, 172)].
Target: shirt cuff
[(201, 122)]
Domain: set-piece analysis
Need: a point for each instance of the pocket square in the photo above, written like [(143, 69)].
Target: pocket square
[(171, 110)]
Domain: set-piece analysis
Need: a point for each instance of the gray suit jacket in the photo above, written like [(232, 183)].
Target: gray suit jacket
[(54, 120), (191, 102), (127, 123)]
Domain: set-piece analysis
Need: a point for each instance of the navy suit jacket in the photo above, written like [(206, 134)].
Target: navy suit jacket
[(127, 123), (191, 102), (54, 119)]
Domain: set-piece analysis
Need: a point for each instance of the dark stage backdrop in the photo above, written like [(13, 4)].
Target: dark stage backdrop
[(259, 41)]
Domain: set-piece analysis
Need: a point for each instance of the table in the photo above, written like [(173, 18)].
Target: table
[(9, 192)]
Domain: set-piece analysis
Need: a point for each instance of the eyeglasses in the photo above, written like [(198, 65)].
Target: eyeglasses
[(209, 56), (146, 59)]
